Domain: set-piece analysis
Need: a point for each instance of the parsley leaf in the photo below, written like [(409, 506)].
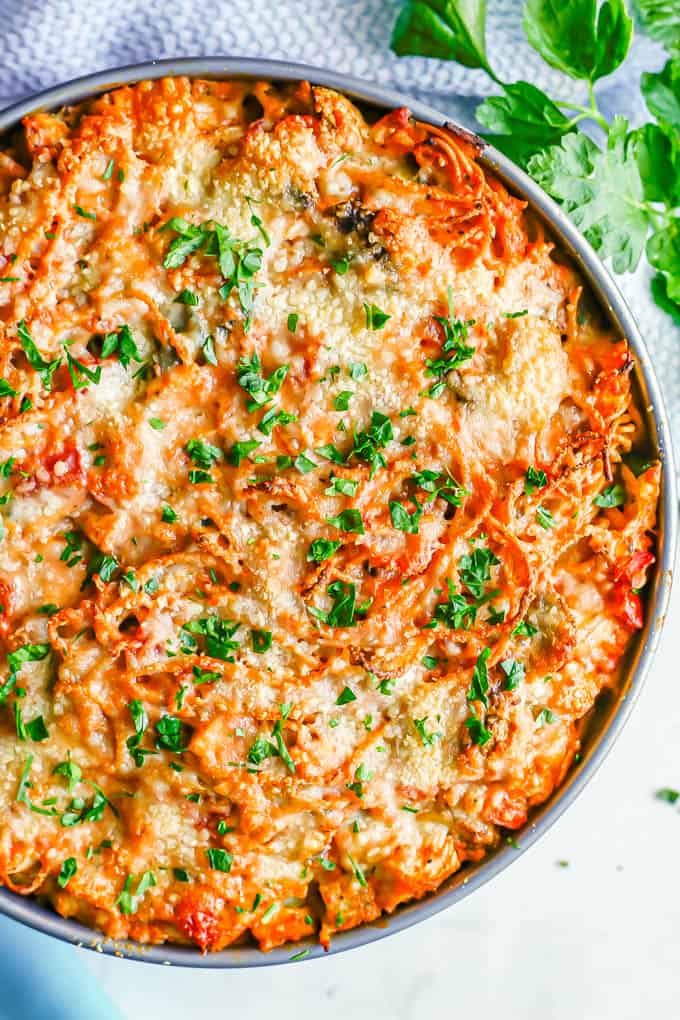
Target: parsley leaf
[(348, 520), (121, 342), (375, 317), (448, 29), (601, 190), (523, 121), (454, 348), (322, 549), (426, 739), (369, 443), (68, 869), (45, 369), (578, 39), (514, 673), (533, 480), (260, 389), (203, 454), (613, 495), (661, 19), (402, 520), (219, 860), (344, 611)]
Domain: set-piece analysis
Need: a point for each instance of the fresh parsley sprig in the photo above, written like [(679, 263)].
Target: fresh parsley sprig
[(623, 190)]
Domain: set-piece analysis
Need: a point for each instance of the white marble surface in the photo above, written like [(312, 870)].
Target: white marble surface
[(598, 939)]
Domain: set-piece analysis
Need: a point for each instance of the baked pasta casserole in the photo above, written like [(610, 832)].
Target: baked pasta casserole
[(325, 511)]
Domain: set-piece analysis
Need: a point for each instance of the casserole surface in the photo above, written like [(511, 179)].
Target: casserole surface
[(423, 571)]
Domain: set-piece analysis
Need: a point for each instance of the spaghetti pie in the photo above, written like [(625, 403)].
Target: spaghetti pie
[(325, 511)]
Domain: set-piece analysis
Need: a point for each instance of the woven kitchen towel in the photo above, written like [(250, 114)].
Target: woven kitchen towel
[(43, 42)]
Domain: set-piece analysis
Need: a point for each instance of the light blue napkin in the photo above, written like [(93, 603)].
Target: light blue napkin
[(43, 979)]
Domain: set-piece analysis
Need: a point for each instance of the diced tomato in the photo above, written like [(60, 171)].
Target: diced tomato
[(196, 917), (52, 468), (5, 608), (627, 605), (634, 569)]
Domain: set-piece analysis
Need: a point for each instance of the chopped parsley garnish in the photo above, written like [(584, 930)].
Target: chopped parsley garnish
[(436, 483), (260, 389), (157, 423), (475, 569), (402, 520), (346, 696), (613, 495), (45, 369), (68, 869), (545, 518), (274, 748), (128, 901), (172, 734), (341, 487), (375, 317), (6, 390), (168, 515), (187, 297), (205, 676), (274, 417), (427, 739), (358, 873), (322, 549), (369, 443), (218, 634), (514, 673), (140, 723), (668, 795), (80, 374), (545, 717), (219, 860), (202, 454), (357, 370), (341, 265), (361, 776), (108, 172), (262, 640), (292, 321), (122, 343), (524, 629), (349, 521), (200, 477), (78, 209), (342, 399), (208, 348), (459, 611), (16, 659), (533, 480), (180, 875), (304, 464), (70, 770), (478, 693), (330, 452), (455, 351), (344, 611), (238, 260), (72, 551), (240, 451)]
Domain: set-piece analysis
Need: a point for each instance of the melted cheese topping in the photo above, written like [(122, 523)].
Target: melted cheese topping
[(320, 528)]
